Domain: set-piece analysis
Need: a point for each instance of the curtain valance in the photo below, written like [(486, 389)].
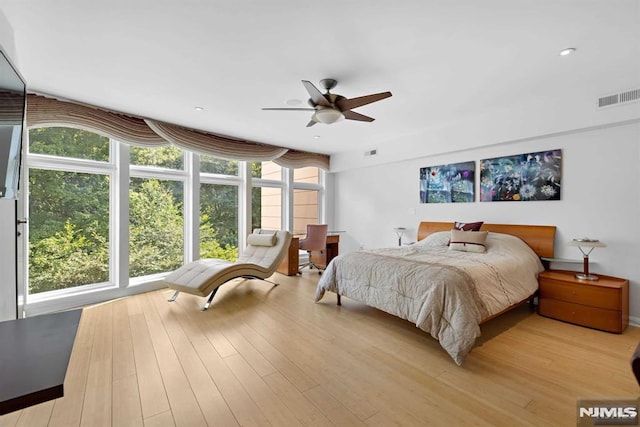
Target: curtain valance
[(215, 145), (300, 159), (45, 111), (49, 112)]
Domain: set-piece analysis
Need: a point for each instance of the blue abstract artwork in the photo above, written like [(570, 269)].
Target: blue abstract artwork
[(454, 183), (523, 177)]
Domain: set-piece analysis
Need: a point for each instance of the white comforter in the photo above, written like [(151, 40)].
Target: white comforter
[(446, 293)]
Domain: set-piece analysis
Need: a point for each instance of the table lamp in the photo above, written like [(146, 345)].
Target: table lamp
[(589, 244), (399, 232)]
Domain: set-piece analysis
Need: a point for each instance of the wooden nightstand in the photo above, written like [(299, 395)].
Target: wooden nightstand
[(600, 304)]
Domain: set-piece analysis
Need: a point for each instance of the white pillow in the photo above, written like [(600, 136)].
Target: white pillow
[(468, 241), (261, 239)]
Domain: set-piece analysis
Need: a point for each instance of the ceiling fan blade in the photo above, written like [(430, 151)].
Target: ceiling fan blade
[(348, 104), (352, 115), (316, 96), (311, 123), (290, 109)]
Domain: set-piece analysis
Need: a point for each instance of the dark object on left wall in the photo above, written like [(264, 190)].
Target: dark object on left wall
[(12, 110)]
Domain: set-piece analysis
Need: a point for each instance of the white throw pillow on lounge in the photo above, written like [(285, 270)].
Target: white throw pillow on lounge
[(262, 239)]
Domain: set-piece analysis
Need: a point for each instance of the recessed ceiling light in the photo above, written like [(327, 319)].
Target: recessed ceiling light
[(567, 51), (198, 108)]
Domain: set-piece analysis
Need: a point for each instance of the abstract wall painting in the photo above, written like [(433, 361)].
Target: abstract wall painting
[(454, 183), (523, 177)]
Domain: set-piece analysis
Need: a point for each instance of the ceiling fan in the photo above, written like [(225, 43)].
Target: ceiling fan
[(330, 107)]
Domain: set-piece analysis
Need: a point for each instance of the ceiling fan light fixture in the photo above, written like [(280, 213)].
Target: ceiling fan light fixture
[(327, 116), (329, 108)]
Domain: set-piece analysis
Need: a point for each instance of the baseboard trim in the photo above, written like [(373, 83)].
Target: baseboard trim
[(634, 321), (88, 298)]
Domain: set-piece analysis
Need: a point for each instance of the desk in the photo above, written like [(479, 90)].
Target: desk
[(289, 265), (34, 354)]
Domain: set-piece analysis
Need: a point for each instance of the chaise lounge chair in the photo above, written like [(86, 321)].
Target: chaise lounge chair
[(264, 252)]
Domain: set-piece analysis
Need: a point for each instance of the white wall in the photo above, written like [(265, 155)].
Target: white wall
[(600, 199), (7, 43), (570, 111)]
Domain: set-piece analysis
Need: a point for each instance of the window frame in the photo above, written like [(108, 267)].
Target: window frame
[(160, 173), (320, 187), (49, 162), (273, 183)]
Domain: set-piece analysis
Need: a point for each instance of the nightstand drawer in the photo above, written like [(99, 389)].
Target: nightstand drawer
[(596, 296), (599, 318)]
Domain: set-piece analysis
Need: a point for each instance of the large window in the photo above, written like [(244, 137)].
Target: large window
[(156, 226), (156, 210), (219, 201), (217, 166), (309, 174), (267, 196), (69, 143), (162, 157), (305, 209), (69, 215), (266, 170), (104, 215), (307, 198), (69, 229), (219, 221), (267, 208)]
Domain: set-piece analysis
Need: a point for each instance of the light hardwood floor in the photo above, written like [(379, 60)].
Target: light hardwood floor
[(270, 356)]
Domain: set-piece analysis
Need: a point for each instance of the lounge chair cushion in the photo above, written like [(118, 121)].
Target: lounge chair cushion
[(202, 276)]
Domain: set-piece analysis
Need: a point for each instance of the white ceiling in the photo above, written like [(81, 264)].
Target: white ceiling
[(442, 60)]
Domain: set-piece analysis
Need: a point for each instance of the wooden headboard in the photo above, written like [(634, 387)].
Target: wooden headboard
[(539, 237)]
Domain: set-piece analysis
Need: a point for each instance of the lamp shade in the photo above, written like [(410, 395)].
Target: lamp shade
[(327, 116), (585, 242)]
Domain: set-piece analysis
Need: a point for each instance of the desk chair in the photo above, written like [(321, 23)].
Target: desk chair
[(316, 240)]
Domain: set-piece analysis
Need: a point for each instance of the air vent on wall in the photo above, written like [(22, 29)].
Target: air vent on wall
[(619, 98)]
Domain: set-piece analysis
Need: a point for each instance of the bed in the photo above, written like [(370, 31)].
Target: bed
[(447, 293)]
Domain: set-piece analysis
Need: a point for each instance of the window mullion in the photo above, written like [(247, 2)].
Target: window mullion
[(192, 207), (245, 205), (322, 206), (287, 203), (120, 213), (151, 172), (37, 161)]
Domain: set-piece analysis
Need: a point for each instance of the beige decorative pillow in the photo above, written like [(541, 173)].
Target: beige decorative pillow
[(262, 239), (468, 241)]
